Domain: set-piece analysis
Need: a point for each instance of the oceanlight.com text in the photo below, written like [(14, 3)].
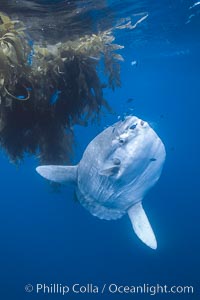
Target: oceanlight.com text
[(111, 288)]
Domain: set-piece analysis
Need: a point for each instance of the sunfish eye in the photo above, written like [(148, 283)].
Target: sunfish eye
[(116, 161), (121, 141)]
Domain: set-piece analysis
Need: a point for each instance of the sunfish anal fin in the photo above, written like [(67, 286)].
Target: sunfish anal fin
[(59, 174), (141, 225)]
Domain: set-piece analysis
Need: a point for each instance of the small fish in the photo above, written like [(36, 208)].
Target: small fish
[(195, 4), (153, 159), (133, 126), (21, 97), (129, 100), (31, 43), (134, 63), (55, 96)]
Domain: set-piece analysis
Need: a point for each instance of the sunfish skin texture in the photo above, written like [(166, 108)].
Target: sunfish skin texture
[(118, 167)]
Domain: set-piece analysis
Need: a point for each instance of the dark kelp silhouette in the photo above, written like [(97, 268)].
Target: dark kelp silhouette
[(47, 87), (45, 90)]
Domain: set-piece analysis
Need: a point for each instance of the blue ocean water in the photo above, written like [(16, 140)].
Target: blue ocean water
[(47, 237)]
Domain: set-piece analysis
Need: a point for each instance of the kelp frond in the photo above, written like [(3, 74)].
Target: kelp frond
[(46, 89)]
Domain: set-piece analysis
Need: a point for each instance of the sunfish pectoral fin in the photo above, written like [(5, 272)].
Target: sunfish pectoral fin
[(59, 174), (141, 225)]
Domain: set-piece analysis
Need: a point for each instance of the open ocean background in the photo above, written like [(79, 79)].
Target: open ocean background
[(47, 237)]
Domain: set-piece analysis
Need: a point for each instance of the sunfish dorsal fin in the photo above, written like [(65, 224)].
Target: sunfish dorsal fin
[(60, 174), (141, 225)]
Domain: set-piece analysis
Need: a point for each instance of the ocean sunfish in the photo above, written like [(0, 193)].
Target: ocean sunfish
[(118, 167)]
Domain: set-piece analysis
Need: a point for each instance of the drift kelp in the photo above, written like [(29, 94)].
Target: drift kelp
[(47, 89), (14, 49)]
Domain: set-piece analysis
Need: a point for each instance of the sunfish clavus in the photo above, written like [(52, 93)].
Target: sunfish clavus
[(118, 167)]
